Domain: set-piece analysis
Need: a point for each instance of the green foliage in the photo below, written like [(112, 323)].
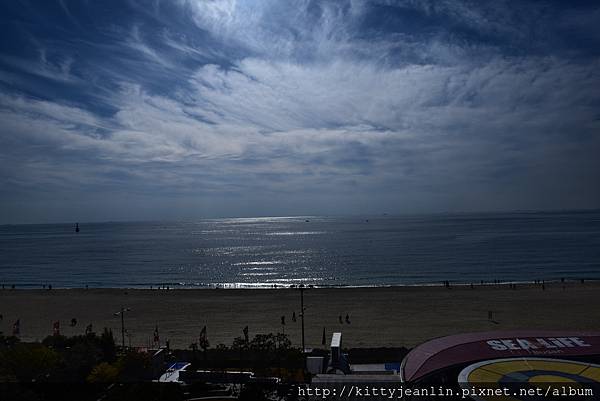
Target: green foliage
[(8, 341), (56, 359), (134, 367), (79, 361), (131, 367), (263, 342), (107, 344), (58, 342), (103, 373), (29, 362), (263, 352), (80, 354), (238, 343), (270, 342)]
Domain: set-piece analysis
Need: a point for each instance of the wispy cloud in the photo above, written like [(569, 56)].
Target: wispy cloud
[(310, 103)]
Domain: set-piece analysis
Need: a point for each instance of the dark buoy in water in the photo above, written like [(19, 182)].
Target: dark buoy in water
[(76, 227)]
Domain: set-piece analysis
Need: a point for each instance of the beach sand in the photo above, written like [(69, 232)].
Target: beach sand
[(397, 316)]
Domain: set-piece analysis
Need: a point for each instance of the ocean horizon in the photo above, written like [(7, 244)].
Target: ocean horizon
[(322, 251)]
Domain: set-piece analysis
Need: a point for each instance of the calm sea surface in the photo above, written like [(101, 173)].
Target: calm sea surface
[(323, 251)]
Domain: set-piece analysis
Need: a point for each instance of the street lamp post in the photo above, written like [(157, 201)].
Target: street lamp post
[(302, 313), (122, 313)]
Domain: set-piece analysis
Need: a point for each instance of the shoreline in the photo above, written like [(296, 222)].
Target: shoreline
[(567, 281), (379, 316)]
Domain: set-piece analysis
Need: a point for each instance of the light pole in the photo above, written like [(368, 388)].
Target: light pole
[(301, 286), (122, 313)]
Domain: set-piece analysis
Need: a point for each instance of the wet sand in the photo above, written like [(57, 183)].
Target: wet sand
[(396, 316)]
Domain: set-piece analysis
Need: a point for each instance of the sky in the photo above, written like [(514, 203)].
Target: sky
[(188, 109)]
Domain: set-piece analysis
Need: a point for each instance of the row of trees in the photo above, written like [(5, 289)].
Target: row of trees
[(91, 365), (94, 359), (264, 354), (79, 359)]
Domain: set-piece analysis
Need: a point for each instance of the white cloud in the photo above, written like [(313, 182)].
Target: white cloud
[(285, 117), (340, 121)]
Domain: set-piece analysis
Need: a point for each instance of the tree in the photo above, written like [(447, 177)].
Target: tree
[(134, 367), (29, 362), (107, 344), (8, 341), (103, 373), (238, 343)]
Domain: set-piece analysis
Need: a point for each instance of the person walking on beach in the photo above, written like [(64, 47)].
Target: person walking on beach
[(347, 318), (340, 319)]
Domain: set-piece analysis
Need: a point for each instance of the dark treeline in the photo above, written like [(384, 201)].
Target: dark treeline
[(88, 367)]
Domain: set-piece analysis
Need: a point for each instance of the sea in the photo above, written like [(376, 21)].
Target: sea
[(269, 252)]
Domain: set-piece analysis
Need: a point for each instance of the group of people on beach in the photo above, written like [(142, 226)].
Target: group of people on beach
[(347, 319), (340, 320), (513, 285)]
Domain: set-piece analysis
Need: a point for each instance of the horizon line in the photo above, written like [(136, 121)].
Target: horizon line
[(304, 216)]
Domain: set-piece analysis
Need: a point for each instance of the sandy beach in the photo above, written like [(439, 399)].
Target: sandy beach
[(396, 316)]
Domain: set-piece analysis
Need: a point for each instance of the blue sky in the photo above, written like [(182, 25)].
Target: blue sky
[(182, 109)]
